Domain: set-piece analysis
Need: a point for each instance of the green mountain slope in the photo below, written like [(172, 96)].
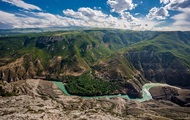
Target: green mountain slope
[(164, 58)]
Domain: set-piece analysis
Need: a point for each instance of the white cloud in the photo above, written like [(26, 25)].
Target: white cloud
[(71, 13), (31, 20), (91, 17), (128, 17), (121, 5), (157, 13), (164, 1), (177, 4), (182, 20), (7, 19), (86, 14), (22, 4)]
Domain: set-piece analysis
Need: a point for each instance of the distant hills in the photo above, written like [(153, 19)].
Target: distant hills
[(120, 61), (6, 32)]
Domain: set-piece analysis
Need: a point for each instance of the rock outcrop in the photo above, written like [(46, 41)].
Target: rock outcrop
[(176, 95), (22, 68), (160, 67), (6, 89)]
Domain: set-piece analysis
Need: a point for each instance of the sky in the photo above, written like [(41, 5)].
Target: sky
[(163, 15)]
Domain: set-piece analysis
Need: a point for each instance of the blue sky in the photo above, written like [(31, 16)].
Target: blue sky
[(123, 14)]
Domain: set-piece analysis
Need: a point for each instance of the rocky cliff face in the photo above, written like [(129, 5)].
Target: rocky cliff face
[(176, 95), (20, 69), (28, 67), (161, 67)]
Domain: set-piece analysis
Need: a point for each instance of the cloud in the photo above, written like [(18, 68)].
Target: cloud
[(91, 17), (177, 5), (31, 20), (22, 4), (164, 1), (121, 5), (158, 13), (128, 17), (6, 20), (85, 14), (182, 20)]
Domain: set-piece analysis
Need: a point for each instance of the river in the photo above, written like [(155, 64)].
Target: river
[(145, 92)]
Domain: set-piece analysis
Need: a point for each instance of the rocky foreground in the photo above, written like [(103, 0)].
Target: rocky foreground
[(42, 100)]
